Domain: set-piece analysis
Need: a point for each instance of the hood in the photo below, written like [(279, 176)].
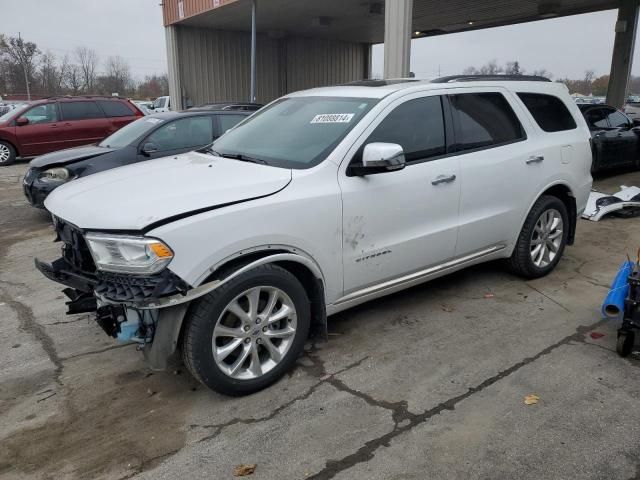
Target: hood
[(136, 196), (63, 157)]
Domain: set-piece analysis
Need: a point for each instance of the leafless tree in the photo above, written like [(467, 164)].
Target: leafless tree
[(491, 68), (73, 78), (20, 55), (88, 62)]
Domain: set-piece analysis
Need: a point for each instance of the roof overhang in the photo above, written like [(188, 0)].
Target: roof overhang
[(363, 20)]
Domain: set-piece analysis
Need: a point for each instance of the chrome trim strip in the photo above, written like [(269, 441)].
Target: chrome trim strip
[(211, 286), (415, 276)]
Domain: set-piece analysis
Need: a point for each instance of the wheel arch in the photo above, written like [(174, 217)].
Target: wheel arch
[(562, 192), (300, 264)]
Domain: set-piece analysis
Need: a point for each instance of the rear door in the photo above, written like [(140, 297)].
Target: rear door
[(178, 136), (84, 122), (44, 133), (495, 178)]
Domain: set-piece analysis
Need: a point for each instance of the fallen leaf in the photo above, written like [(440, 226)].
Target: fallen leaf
[(531, 399), (244, 469), (489, 295), (597, 335), (448, 308)]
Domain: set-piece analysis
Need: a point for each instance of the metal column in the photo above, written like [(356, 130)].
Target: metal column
[(173, 66), (622, 58), (397, 37), (253, 95)]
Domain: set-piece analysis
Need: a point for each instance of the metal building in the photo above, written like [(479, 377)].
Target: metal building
[(261, 49)]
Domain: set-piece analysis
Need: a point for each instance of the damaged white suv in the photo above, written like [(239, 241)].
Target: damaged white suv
[(322, 200)]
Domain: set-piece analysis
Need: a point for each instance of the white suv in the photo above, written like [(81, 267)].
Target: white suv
[(320, 201)]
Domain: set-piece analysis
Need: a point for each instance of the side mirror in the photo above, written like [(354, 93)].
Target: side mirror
[(149, 148), (22, 121), (380, 157)]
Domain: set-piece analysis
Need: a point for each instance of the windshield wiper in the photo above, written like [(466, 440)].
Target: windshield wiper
[(241, 157)]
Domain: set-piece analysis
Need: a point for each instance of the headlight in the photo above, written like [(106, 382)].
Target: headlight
[(54, 175), (128, 254)]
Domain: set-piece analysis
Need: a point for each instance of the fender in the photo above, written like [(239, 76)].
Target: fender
[(208, 287)]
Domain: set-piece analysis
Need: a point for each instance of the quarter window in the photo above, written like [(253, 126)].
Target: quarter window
[(549, 112), (80, 110), (115, 108), (417, 125), (484, 120), (47, 113)]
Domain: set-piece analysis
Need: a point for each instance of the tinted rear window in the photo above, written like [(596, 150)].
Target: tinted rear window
[(80, 110), (484, 120), (115, 108), (549, 112)]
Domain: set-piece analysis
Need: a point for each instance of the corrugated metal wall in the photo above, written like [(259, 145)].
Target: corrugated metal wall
[(215, 65)]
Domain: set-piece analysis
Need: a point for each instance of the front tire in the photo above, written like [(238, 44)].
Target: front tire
[(245, 335), (542, 239), (7, 154)]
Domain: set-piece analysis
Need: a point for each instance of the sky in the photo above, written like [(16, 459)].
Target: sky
[(133, 29)]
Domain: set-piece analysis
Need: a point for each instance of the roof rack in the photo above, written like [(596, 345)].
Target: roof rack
[(491, 78), (55, 97)]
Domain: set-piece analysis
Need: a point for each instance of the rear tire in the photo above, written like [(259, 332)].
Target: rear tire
[(245, 335), (625, 343), (542, 239), (7, 154)]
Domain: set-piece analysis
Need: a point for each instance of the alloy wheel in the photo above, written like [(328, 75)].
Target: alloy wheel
[(546, 238), (254, 332), (4, 153)]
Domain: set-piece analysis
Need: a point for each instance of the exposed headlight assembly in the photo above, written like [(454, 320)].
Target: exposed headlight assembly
[(128, 254), (54, 175)]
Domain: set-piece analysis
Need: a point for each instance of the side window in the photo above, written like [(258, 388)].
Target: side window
[(160, 102), (47, 113), (484, 120), (80, 110), (227, 122), (183, 133), (549, 112), (417, 125), (617, 119), (115, 108), (597, 118)]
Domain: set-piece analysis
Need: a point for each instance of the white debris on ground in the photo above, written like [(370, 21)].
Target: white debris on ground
[(601, 204)]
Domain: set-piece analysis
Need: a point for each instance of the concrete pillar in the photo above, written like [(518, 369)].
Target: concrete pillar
[(397, 37), (173, 66), (621, 61)]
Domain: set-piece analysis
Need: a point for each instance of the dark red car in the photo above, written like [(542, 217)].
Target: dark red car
[(61, 122)]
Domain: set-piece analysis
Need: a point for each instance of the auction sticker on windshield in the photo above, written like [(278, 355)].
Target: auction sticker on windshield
[(333, 118)]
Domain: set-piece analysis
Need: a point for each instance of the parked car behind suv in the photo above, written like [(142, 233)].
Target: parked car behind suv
[(61, 122), (616, 140), (320, 201), (153, 136)]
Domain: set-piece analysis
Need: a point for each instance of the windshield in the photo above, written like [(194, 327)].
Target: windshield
[(296, 132), (131, 132), (12, 110)]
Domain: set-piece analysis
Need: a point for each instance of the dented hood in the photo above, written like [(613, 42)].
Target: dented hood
[(137, 196)]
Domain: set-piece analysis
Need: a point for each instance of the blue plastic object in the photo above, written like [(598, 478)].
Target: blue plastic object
[(613, 303), (128, 330)]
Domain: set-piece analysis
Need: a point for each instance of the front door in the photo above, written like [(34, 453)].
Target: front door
[(624, 138), (44, 133), (177, 137), (396, 223)]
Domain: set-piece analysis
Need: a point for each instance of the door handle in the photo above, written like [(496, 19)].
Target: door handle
[(68, 124), (443, 179), (535, 159)]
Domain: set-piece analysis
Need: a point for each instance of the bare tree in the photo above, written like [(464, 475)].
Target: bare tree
[(491, 68), (73, 78), (22, 55), (542, 73), (513, 68), (470, 71), (88, 62)]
